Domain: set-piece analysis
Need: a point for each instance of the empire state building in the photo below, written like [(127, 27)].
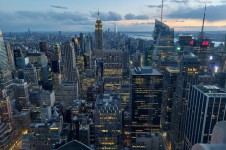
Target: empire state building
[(99, 33)]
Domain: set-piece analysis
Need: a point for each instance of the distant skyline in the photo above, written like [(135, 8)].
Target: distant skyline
[(129, 15)]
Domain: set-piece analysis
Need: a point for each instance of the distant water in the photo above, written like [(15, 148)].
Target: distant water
[(148, 36)]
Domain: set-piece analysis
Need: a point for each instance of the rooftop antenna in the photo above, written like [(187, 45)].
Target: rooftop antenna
[(203, 22), (162, 11)]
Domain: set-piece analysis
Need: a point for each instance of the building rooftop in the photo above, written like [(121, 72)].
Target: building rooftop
[(74, 145), (145, 71), (110, 100), (210, 89), (173, 69)]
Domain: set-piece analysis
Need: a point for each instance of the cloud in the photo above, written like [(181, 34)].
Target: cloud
[(58, 7), (51, 15), (179, 1), (213, 13), (109, 16), (131, 16), (154, 6)]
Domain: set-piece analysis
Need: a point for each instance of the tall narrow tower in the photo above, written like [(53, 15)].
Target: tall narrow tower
[(99, 33), (5, 68)]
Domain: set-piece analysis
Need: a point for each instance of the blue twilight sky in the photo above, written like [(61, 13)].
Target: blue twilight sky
[(129, 15)]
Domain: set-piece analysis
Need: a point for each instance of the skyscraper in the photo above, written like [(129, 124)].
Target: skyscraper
[(108, 122), (163, 37), (99, 33), (69, 62), (5, 68), (189, 68), (206, 107), (146, 97), (169, 87)]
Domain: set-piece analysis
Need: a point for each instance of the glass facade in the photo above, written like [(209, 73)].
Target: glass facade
[(146, 96), (5, 71)]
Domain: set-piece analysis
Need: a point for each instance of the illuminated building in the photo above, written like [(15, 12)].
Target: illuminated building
[(206, 107), (146, 99), (163, 37), (99, 33), (169, 87), (189, 69), (108, 122), (113, 62), (202, 47), (184, 41)]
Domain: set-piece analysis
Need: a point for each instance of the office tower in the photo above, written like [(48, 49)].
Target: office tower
[(69, 62), (184, 41), (82, 44), (5, 107), (206, 107), (21, 95), (48, 98), (56, 59), (99, 33), (30, 75), (225, 43), (18, 55), (115, 29), (10, 55), (67, 92), (34, 97), (202, 47), (108, 122), (163, 37), (112, 70), (189, 69), (5, 68), (43, 47), (84, 134), (169, 87), (40, 138), (146, 99)]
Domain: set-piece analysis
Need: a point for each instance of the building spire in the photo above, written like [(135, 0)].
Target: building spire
[(203, 23), (98, 18), (162, 11)]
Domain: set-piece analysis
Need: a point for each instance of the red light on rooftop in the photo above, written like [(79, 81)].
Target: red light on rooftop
[(191, 42), (205, 43)]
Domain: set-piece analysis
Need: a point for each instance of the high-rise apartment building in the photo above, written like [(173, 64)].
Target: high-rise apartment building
[(146, 99), (206, 107)]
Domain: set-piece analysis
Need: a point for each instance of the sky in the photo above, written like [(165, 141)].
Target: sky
[(128, 15)]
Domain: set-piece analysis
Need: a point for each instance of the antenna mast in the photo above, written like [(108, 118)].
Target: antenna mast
[(203, 23), (162, 11)]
